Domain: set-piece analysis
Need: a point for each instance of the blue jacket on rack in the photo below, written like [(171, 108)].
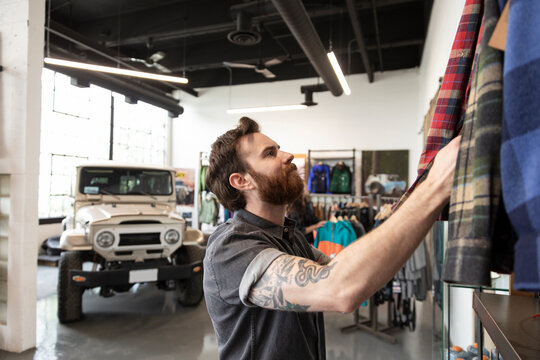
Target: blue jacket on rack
[(319, 179)]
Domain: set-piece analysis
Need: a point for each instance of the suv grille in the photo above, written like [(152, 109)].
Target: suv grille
[(139, 239), (131, 222)]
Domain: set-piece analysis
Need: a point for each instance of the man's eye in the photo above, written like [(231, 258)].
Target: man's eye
[(271, 153)]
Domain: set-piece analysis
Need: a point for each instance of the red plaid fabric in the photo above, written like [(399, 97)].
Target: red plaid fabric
[(452, 100)]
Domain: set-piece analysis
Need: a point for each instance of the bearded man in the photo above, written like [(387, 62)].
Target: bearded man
[(265, 286)]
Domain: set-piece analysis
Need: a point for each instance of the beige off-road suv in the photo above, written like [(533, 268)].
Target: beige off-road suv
[(126, 226)]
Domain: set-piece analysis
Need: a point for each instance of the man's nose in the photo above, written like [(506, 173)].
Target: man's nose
[(288, 158)]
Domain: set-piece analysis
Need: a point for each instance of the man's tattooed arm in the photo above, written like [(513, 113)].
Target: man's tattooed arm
[(287, 272)]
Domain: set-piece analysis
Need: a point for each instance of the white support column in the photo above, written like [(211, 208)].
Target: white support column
[(21, 55)]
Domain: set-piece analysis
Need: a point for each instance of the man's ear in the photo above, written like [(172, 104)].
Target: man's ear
[(241, 181)]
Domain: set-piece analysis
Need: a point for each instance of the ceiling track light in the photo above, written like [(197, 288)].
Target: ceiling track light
[(113, 70), (339, 73), (266, 108)]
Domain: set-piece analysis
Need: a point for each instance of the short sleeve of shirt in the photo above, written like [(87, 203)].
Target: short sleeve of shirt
[(237, 263)]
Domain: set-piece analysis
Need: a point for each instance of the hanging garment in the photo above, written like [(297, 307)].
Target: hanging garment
[(319, 179), (452, 96), (305, 219), (416, 272), (452, 99), (438, 255), (365, 218), (476, 194), (414, 275), (429, 115), (202, 178), (340, 179), (358, 228), (333, 237), (520, 151), (208, 211)]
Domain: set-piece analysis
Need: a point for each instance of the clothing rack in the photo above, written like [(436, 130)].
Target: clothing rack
[(332, 157), (371, 324)]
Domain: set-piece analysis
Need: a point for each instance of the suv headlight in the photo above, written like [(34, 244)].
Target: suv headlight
[(105, 239), (172, 236)]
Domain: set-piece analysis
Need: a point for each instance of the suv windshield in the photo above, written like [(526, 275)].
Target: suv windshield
[(124, 181)]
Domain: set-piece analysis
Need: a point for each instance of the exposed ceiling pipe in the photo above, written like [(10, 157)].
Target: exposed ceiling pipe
[(128, 88), (359, 39), (270, 18), (297, 56), (295, 16)]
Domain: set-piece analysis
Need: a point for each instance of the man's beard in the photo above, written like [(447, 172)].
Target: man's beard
[(281, 189)]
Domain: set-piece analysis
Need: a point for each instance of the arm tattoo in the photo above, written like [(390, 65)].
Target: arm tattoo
[(311, 273), (268, 291)]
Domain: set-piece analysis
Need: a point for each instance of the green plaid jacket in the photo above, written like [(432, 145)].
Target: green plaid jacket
[(480, 237)]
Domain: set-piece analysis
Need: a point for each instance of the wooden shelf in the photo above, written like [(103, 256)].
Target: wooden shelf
[(509, 322)]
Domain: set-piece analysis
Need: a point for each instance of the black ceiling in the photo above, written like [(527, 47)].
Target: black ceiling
[(193, 36)]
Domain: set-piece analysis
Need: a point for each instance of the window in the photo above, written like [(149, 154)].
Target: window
[(76, 128)]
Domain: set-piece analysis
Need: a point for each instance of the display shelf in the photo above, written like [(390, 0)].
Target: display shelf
[(510, 323)]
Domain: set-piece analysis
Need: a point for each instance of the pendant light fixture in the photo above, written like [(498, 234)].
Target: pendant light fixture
[(257, 109), (116, 71), (105, 69), (266, 108), (339, 73), (333, 61)]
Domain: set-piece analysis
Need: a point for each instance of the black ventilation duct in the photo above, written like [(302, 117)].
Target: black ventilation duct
[(244, 35), (295, 16)]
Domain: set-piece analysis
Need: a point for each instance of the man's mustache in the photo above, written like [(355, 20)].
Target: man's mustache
[(291, 167)]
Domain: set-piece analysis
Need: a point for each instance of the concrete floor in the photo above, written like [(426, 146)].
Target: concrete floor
[(147, 323)]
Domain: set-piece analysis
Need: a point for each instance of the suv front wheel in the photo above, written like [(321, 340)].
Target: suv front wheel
[(189, 291), (69, 295)]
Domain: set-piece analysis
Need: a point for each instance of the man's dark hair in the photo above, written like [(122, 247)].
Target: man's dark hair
[(225, 160)]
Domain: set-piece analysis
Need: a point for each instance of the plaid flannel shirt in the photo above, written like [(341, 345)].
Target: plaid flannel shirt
[(453, 91), (452, 96), (480, 237)]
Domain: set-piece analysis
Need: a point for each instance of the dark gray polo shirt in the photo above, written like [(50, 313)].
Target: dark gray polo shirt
[(238, 253)]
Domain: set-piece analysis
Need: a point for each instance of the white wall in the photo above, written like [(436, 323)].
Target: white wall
[(378, 116)]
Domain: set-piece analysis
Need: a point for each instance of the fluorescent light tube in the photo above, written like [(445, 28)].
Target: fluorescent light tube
[(339, 73), (266, 108), (113, 70)]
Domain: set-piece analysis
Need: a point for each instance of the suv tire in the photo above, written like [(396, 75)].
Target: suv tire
[(69, 295), (189, 291)]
